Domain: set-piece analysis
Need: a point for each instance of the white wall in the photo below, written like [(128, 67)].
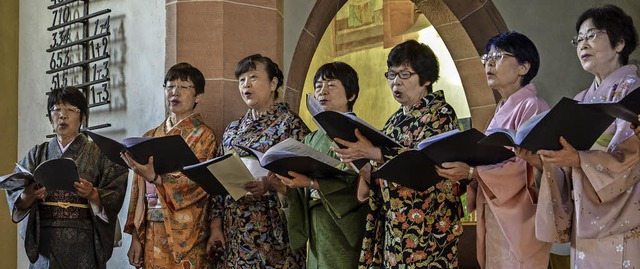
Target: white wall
[(137, 69), (296, 13), (550, 24)]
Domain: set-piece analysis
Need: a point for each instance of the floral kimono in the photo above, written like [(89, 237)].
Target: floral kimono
[(407, 228), (54, 235), (595, 206), (171, 220), (255, 232)]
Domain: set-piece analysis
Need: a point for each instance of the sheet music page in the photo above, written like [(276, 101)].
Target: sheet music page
[(22, 169), (254, 167), (313, 105), (292, 147), (233, 175)]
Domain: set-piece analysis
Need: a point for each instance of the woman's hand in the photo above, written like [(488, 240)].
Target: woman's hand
[(456, 171), (31, 193), (361, 149), (566, 157), (87, 191), (530, 157), (298, 180), (258, 187), (135, 253), (264, 184), (216, 242), (364, 180), (146, 171)]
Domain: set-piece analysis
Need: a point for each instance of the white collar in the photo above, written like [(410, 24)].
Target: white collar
[(63, 149)]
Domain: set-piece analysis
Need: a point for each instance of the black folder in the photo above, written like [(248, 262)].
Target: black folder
[(416, 168), (170, 153), (580, 125)]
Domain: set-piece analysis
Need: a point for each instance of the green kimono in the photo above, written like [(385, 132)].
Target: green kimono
[(332, 219)]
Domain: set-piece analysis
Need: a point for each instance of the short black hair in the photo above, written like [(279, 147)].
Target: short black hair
[(184, 72), (522, 49), (345, 74), (68, 95), (420, 57), (619, 27), (249, 64)]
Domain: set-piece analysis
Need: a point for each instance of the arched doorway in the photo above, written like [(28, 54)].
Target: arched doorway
[(463, 26)]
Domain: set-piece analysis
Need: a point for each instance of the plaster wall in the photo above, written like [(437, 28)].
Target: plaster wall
[(551, 25), (137, 47)]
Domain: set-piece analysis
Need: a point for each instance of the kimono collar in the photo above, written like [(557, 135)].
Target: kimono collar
[(56, 149), (192, 120), (521, 94), (64, 148), (614, 77), (424, 102), (273, 110)]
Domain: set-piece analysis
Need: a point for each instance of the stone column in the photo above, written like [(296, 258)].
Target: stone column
[(213, 36)]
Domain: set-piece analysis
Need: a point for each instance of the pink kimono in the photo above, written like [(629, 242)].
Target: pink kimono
[(597, 206), (505, 199)]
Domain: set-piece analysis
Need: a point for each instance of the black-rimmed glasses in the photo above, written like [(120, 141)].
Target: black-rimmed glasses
[(390, 75)]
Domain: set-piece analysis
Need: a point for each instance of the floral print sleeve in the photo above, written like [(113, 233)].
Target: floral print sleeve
[(430, 116)]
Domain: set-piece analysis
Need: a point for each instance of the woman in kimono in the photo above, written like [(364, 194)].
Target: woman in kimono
[(168, 216), (590, 198), (326, 213), (408, 228), (58, 223), (504, 193), (252, 230)]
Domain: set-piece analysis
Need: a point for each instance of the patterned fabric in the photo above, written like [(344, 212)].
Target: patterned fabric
[(595, 206), (255, 233), (56, 212), (185, 206), (54, 243), (333, 223), (407, 228)]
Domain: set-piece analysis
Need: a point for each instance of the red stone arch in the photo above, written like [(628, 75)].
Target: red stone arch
[(464, 25)]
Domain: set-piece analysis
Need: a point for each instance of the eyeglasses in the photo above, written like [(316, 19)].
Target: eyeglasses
[(390, 75), (180, 88), (590, 36), (495, 56), (57, 111)]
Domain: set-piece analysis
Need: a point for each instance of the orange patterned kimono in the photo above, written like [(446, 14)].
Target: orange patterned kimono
[(175, 228)]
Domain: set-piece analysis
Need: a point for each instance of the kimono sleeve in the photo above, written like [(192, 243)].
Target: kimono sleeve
[(612, 174), (112, 186), (30, 162), (504, 180), (554, 213), (298, 217)]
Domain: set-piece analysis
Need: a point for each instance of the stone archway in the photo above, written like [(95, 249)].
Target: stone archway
[(465, 27)]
